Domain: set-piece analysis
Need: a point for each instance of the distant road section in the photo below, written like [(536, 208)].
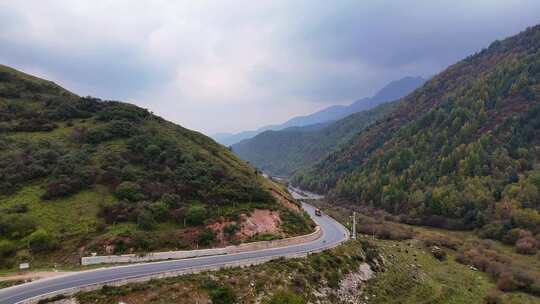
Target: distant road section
[(333, 233), (300, 194)]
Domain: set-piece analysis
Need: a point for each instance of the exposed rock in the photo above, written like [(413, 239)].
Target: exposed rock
[(350, 286)]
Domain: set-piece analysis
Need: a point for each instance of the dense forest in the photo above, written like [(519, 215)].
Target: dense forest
[(461, 152), (79, 172), (284, 152)]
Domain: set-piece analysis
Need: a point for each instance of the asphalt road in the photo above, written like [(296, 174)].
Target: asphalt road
[(333, 233)]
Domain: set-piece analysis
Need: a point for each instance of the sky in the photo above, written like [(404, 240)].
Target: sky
[(227, 66)]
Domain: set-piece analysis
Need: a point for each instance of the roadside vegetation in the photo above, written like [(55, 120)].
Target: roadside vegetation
[(299, 280), (414, 265), (432, 265)]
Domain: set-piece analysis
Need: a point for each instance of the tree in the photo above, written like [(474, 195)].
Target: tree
[(145, 220), (151, 153), (159, 210)]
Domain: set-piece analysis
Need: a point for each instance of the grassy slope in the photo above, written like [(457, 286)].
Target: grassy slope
[(74, 219), (413, 275)]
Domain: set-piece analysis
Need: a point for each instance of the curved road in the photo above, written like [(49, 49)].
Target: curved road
[(333, 234)]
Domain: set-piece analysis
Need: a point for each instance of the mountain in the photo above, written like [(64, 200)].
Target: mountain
[(461, 152), (283, 152), (81, 175), (228, 139), (394, 90)]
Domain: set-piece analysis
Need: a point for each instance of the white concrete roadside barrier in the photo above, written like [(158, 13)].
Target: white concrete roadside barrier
[(185, 254)]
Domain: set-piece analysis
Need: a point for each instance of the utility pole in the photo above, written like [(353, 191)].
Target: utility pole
[(354, 225)]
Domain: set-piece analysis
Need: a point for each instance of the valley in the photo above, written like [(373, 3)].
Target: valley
[(426, 190)]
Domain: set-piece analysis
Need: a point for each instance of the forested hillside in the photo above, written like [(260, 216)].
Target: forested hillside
[(460, 152), (283, 152), (81, 175)]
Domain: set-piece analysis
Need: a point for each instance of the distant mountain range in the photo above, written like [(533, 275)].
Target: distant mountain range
[(394, 90), (283, 152)]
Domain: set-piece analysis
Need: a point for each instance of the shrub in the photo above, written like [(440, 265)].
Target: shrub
[(151, 153), (196, 215), (206, 237), (492, 231), (128, 191), (16, 226), (41, 241), (7, 248), (283, 297), (231, 229), (219, 294), (442, 241), (493, 297), (512, 236), (172, 200), (495, 269), (145, 220), (506, 282), (222, 295), (526, 245), (17, 208), (159, 210)]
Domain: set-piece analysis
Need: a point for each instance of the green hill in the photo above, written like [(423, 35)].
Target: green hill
[(460, 152), (284, 152), (81, 175)]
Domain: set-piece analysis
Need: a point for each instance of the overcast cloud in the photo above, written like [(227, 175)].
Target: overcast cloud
[(234, 65)]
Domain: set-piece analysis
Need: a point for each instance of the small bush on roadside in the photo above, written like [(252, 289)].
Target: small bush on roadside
[(231, 229), (206, 237), (219, 294)]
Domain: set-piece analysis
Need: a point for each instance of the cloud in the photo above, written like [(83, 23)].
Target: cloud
[(231, 65)]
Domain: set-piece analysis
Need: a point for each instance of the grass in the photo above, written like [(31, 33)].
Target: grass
[(413, 275), (74, 220), (68, 216)]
